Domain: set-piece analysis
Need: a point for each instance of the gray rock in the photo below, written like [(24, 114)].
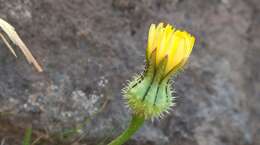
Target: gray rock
[(89, 49)]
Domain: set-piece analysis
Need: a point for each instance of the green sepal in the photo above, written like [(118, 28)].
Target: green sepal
[(149, 95)]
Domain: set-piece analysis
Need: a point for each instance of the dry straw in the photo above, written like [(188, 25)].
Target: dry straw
[(10, 33)]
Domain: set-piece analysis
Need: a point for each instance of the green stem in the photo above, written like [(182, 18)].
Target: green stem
[(135, 124)]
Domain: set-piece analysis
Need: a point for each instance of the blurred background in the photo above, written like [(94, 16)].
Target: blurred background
[(90, 48)]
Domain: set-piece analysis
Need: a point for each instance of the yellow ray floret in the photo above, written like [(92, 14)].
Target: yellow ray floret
[(167, 41)]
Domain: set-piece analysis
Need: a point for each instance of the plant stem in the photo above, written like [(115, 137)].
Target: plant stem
[(135, 124)]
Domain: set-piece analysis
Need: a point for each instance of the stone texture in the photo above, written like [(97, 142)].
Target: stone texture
[(89, 48)]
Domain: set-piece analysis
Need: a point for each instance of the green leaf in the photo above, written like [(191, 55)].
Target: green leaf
[(27, 136)]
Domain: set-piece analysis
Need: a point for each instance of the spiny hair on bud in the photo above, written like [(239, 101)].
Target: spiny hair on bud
[(135, 80), (144, 108)]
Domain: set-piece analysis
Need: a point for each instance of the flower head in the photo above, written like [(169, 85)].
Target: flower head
[(150, 94), (169, 42)]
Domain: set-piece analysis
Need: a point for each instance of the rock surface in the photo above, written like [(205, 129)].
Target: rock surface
[(90, 48)]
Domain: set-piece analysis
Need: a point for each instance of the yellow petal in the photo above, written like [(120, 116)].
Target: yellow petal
[(177, 52), (161, 48), (188, 45), (169, 30), (158, 33), (151, 37), (164, 44)]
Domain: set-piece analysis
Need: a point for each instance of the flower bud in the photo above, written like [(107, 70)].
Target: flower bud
[(150, 94)]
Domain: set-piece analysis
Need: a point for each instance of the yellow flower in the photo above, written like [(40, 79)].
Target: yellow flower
[(169, 42), (150, 95)]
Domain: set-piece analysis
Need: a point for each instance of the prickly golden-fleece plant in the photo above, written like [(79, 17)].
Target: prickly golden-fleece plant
[(149, 95)]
